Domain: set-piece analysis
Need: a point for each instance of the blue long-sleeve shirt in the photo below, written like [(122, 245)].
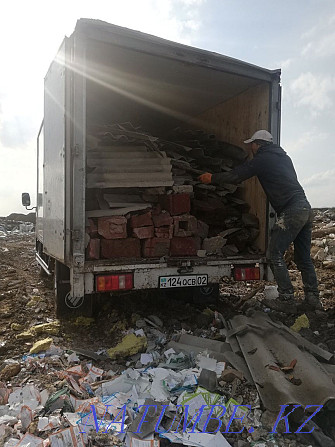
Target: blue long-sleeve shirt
[(276, 173)]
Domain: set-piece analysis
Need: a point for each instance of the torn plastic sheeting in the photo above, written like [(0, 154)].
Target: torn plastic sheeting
[(179, 362), (176, 385), (276, 346), (188, 349)]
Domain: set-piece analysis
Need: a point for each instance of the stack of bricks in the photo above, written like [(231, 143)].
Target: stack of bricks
[(109, 239), (168, 229)]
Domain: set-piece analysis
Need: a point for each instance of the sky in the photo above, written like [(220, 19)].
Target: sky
[(297, 36)]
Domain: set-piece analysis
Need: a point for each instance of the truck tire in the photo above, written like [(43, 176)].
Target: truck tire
[(63, 303), (207, 295)]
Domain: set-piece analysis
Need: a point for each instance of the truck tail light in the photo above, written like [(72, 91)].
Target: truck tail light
[(246, 273), (106, 283)]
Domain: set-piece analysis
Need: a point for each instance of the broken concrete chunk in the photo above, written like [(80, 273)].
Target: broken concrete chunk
[(129, 345), (214, 245), (208, 379), (228, 375), (9, 371)]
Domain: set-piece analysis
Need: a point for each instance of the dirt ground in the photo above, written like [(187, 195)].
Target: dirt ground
[(26, 300)]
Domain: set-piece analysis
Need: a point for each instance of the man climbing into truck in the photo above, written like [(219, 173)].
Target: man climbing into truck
[(275, 171)]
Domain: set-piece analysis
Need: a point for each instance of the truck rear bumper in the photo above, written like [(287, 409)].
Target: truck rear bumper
[(147, 276)]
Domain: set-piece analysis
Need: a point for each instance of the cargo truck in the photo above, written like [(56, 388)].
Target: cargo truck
[(106, 74)]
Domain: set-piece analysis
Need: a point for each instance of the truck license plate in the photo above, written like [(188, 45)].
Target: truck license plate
[(168, 282)]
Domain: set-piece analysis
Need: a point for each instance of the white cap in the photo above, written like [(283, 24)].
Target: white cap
[(260, 135)]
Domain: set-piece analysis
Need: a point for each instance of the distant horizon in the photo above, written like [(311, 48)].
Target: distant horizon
[(303, 49), (31, 212)]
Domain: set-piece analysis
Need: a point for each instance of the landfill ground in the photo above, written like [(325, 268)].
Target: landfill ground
[(27, 301)]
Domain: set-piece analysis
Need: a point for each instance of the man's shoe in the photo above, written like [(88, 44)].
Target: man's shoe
[(313, 301), (285, 306)]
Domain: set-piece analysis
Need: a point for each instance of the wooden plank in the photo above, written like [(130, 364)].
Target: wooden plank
[(234, 121), (98, 162), (115, 169), (117, 212), (129, 184)]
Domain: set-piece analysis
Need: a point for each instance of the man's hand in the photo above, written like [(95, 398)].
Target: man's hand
[(205, 178)]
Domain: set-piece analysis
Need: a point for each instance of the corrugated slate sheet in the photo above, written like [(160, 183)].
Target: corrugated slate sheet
[(268, 347), (127, 166)]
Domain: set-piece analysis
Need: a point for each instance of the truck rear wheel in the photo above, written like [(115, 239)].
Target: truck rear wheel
[(207, 295), (65, 305)]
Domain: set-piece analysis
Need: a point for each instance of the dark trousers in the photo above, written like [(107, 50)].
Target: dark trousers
[(294, 224)]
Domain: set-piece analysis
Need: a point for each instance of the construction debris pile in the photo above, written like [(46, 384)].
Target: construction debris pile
[(165, 371), (323, 238), (17, 224), (148, 391), (144, 199)]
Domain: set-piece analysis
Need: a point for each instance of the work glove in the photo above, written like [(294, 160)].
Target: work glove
[(205, 178)]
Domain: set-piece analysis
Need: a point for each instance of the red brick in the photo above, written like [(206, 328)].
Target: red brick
[(92, 228), (184, 246), (144, 232), (165, 232), (93, 249), (157, 209), (185, 226), (176, 203), (117, 248), (141, 220), (114, 227), (163, 219), (156, 247)]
